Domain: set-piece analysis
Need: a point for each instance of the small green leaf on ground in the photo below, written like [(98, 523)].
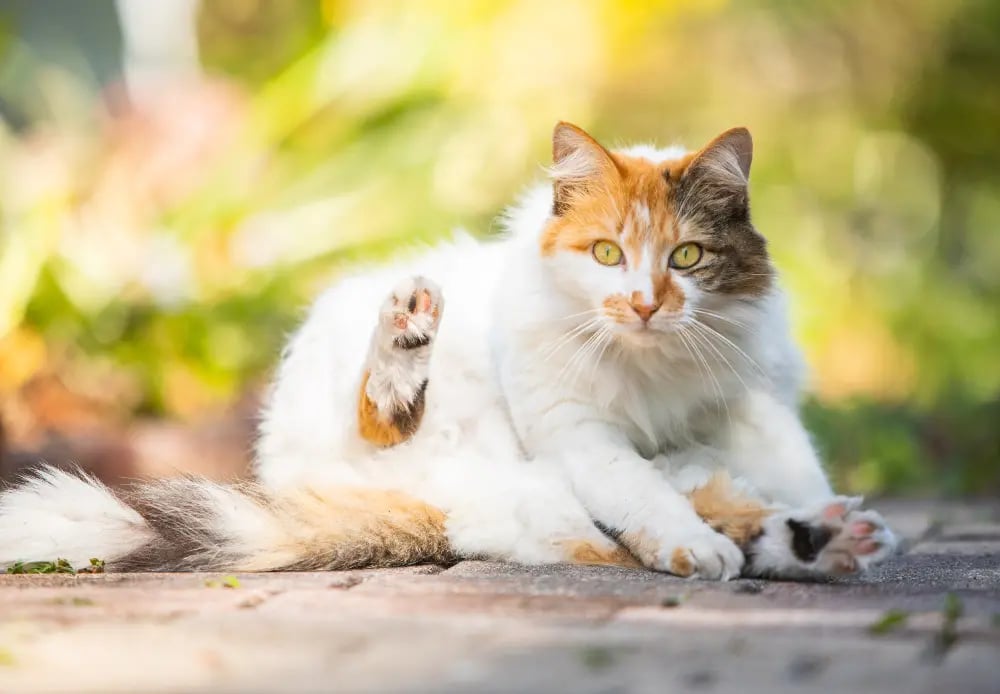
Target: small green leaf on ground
[(230, 582), (889, 622), (63, 567), (59, 566), (96, 567), (597, 657), (953, 608)]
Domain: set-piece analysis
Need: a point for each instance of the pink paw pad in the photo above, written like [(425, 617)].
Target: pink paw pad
[(862, 528), (867, 546), (412, 312), (840, 538)]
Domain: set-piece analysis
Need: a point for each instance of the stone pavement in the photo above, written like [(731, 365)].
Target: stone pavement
[(489, 627)]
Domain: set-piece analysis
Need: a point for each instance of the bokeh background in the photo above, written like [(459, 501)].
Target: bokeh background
[(180, 178)]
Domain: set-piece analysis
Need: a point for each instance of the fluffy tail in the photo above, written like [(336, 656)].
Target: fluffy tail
[(190, 524)]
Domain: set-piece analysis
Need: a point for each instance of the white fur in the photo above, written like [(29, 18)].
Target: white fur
[(528, 435), (61, 515)]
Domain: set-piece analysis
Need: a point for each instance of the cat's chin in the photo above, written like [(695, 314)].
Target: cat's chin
[(641, 338)]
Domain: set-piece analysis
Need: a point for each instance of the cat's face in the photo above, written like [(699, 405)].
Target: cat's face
[(641, 245)]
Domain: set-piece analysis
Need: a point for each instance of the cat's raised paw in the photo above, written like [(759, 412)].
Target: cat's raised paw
[(412, 313)]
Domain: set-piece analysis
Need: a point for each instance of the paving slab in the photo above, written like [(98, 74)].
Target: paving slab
[(483, 626)]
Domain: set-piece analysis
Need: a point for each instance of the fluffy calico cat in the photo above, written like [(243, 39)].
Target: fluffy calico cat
[(612, 382)]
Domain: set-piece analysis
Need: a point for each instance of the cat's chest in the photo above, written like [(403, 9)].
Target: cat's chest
[(659, 416)]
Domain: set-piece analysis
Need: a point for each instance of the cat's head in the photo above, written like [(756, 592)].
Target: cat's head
[(642, 242)]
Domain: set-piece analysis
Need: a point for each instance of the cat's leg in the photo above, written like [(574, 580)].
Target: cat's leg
[(628, 496), (519, 515), (765, 443), (828, 538), (810, 531), (394, 381)]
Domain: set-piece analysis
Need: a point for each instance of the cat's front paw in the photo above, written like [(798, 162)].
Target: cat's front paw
[(708, 555), (696, 552)]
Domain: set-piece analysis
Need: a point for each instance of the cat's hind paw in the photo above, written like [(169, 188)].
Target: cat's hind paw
[(833, 538), (412, 312), (394, 382)]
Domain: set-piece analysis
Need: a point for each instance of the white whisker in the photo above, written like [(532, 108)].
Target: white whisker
[(577, 358), (733, 346), (550, 349), (581, 313), (726, 319), (720, 395), (609, 340), (720, 355)]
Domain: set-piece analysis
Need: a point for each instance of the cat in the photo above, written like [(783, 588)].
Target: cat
[(613, 382)]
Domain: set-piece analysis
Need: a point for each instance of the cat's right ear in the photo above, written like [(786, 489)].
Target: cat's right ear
[(579, 163)]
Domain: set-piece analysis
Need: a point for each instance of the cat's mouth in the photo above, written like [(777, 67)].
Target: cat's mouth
[(651, 329), (643, 334)]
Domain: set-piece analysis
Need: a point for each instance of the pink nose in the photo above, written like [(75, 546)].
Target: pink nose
[(644, 311)]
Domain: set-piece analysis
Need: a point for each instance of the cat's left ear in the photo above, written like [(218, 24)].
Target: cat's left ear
[(726, 159)]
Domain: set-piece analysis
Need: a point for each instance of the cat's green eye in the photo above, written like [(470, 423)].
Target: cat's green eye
[(607, 253), (686, 255)]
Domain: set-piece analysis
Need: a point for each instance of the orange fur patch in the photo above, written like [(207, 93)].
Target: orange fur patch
[(375, 427), (628, 201), (601, 210), (586, 552), (681, 563), (346, 527), (616, 307), (735, 515), (666, 293), (642, 546)]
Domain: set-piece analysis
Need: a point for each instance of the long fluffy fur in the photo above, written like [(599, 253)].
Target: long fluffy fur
[(544, 411), (189, 524)]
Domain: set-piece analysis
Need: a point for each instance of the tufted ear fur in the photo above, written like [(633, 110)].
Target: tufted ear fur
[(713, 182), (725, 160), (579, 163)]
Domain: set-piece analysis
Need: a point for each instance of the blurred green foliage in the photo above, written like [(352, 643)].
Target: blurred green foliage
[(170, 252)]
